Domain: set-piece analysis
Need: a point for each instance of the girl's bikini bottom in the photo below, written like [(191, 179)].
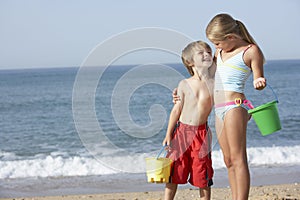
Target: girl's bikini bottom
[(223, 108)]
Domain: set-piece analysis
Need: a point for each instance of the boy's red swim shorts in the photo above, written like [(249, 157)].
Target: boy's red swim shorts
[(191, 153)]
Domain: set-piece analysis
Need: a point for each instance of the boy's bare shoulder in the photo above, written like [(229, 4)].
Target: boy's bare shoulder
[(183, 83)]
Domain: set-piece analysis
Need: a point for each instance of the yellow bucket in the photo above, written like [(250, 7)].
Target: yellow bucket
[(158, 169)]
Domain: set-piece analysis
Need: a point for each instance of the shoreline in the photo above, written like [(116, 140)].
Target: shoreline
[(262, 179), (268, 192)]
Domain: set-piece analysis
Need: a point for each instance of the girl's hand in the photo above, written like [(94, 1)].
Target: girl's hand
[(259, 83), (176, 98)]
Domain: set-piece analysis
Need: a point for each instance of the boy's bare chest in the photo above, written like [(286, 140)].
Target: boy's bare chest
[(199, 92)]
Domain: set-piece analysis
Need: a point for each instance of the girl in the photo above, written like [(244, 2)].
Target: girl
[(237, 56)]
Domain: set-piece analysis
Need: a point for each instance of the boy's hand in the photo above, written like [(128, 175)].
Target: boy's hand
[(167, 143), (175, 96), (260, 83)]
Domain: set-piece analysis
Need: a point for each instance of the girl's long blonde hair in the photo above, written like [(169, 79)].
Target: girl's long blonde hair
[(222, 25)]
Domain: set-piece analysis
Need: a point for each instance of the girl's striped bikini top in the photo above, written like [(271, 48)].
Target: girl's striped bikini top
[(232, 74)]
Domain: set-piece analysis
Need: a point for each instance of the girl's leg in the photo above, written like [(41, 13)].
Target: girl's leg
[(170, 191), (235, 155), (204, 193), (222, 139)]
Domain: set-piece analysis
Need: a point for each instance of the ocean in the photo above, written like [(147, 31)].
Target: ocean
[(78, 124)]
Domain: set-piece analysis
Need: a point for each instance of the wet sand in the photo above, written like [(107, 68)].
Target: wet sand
[(269, 192)]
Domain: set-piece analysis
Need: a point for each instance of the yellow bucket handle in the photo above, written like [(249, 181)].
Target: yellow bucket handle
[(160, 152)]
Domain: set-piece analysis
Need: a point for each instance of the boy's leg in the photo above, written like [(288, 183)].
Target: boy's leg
[(204, 193), (170, 191)]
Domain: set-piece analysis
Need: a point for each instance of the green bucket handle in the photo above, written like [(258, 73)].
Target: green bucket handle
[(266, 116), (269, 86)]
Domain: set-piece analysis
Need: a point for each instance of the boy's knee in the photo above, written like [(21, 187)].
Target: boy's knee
[(205, 193)]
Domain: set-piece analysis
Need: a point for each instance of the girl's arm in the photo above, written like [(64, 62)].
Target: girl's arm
[(254, 58), (175, 97)]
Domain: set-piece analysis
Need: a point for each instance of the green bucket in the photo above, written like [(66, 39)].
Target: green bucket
[(266, 117)]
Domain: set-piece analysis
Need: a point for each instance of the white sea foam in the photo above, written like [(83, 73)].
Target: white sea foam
[(56, 165)]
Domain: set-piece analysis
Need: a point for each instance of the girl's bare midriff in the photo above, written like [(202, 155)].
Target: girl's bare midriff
[(221, 96)]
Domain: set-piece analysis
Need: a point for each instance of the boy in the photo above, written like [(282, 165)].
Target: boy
[(188, 137)]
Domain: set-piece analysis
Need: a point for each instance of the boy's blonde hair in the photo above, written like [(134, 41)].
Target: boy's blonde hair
[(188, 53), (222, 25)]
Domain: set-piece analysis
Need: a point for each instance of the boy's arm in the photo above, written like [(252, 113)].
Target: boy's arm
[(174, 116)]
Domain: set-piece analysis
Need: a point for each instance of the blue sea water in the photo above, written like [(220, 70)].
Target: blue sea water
[(52, 128)]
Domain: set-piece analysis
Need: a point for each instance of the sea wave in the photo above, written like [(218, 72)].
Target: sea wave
[(58, 165)]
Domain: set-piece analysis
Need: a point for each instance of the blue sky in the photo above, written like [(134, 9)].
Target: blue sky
[(62, 33)]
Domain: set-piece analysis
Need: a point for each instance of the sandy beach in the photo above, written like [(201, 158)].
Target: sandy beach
[(270, 192), (266, 184)]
